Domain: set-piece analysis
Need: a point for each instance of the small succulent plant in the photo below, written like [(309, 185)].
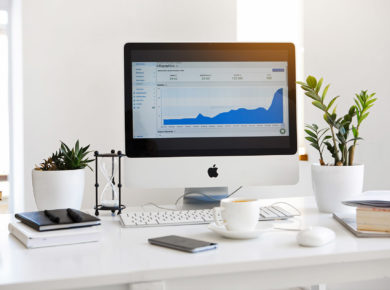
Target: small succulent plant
[(67, 158), (54, 162), (344, 131)]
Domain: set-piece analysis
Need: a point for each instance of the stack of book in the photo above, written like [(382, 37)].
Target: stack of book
[(55, 227), (372, 215), (372, 218)]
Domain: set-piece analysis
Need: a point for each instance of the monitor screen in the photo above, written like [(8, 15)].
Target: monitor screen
[(204, 99), (209, 99)]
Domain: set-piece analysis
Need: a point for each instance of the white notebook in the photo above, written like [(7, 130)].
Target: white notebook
[(34, 239)]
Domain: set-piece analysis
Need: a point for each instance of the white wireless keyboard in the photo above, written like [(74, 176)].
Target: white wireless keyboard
[(189, 217)]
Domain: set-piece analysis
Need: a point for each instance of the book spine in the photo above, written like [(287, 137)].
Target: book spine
[(373, 228), (373, 219), (373, 209), (27, 222), (18, 235), (64, 240)]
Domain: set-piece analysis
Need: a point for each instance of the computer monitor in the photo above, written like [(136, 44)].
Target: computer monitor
[(210, 115)]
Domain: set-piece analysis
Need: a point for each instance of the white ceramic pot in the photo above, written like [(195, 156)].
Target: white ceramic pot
[(334, 184), (58, 188)]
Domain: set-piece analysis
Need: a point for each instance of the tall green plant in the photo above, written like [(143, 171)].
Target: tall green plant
[(338, 143)]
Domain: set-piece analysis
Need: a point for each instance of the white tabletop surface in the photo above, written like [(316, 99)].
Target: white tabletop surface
[(124, 256)]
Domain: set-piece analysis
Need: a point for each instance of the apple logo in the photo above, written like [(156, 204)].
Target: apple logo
[(213, 171)]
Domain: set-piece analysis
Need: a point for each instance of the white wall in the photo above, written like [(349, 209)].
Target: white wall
[(253, 25), (73, 69), (348, 43)]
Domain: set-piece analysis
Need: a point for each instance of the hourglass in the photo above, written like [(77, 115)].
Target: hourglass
[(110, 197)]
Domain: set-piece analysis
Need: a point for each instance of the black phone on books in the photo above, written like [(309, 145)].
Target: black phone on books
[(183, 244)]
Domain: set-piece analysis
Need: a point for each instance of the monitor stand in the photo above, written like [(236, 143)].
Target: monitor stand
[(194, 198)]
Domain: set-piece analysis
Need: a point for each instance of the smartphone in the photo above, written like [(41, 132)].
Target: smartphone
[(183, 244)]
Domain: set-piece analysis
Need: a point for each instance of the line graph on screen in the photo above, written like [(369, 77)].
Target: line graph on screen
[(252, 107)]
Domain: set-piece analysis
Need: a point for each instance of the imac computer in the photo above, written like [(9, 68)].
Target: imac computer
[(205, 116)]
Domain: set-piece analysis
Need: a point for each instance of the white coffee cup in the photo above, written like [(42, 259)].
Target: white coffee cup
[(238, 214)]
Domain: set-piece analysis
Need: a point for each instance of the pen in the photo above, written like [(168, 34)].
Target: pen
[(53, 218), (74, 215)]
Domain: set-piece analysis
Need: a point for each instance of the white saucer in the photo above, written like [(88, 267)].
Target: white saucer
[(241, 235)]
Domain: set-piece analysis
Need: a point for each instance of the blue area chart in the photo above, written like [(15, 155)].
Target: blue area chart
[(273, 115)]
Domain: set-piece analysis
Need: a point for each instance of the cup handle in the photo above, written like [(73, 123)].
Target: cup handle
[(217, 216)]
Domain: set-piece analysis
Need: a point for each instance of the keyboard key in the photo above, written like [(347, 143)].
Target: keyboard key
[(282, 211)]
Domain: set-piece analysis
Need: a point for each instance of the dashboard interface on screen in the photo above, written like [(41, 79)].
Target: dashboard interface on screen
[(209, 99)]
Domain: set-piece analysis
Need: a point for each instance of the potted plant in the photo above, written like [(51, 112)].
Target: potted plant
[(340, 179), (58, 182)]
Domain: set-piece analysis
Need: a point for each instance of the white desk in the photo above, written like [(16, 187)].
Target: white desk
[(124, 257)]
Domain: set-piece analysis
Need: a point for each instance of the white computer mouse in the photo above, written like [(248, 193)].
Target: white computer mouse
[(315, 237)]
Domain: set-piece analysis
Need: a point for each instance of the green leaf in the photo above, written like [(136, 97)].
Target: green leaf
[(358, 107), (326, 118), (361, 100), (363, 117), (331, 102), (355, 131), (322, 132), (65, 146), (309, 126), (352, 111), (370, 102), (333, 117), (77, 146), (328, 144), (319, 84), (347, 118), (325, 91), (301, 83), (307, 88), (319, 105), (313, 96), (311, 139), (310, 133), (354, 139), (315, 146), (311, 81)]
